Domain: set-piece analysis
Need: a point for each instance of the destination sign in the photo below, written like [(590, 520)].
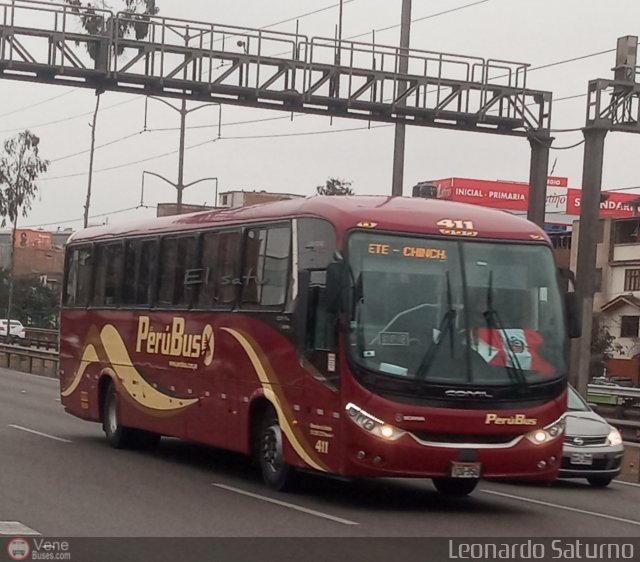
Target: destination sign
[(419, 252)]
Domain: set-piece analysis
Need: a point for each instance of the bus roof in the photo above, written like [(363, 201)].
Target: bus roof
[(401, 214)]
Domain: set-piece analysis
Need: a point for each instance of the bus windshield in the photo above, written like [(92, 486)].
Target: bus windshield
[(455, 311)]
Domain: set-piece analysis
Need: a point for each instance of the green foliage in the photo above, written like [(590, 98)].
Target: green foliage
[(335, 186), (95, 18), (33, 303), (20, 166), (602, 348)]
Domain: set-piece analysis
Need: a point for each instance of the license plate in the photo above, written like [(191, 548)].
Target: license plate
[(582, 458), (465, 469)]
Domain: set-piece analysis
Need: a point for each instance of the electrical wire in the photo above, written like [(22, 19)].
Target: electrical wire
[(36, 104), (307, 14), (574, 59), (567, 147), (81, 152), (456, 9), (81, 219), (69, 118), (208, 141)]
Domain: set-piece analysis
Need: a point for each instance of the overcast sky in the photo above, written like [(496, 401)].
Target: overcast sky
[(538, 32)]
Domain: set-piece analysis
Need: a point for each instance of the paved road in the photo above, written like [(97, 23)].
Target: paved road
[(65, 481)]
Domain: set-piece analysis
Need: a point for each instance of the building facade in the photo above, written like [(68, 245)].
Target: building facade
[(617, 297), (234, 199)]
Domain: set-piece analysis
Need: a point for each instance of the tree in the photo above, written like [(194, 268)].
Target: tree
[(603, 345), (335, 186), (96, 23), (34, 304), (20, 166)]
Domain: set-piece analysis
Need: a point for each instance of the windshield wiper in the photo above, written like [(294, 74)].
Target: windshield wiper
[(493, 321), (446, 325)]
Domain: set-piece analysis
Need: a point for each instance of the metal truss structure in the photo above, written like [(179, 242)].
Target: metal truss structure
[(614, 105), (45, 42)]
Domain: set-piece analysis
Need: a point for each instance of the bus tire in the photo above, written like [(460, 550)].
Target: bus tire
[(276, 474), (118, 435), (455, 486)]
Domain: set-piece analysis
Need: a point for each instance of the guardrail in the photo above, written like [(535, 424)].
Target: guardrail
[(613, 395), (39, 362), (35, 337)]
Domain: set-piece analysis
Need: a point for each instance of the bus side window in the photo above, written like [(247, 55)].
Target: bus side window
[(219, 265), (71, 286), (227, 267), (85, 269), (139, 267), (265, 269), (109, 273), (176, 257)]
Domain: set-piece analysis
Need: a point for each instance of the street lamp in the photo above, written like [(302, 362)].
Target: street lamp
[(178, 209), (183, 126)]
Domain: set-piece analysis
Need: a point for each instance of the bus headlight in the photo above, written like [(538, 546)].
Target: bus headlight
[(373, 425), (614, 438), (546, 434)]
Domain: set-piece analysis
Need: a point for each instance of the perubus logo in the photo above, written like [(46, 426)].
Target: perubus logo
[(174, 340)]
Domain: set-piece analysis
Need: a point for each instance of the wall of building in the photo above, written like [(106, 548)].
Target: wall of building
[(629, 347), (235, 199)]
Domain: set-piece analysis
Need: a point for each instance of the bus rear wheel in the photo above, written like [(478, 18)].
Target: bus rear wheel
[(118, 435), (276, 474), (455, 486)]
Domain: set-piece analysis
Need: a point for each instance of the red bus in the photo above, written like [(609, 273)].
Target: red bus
[(354, 336)]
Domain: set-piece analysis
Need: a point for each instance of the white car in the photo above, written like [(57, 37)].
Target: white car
[(592, 449), (17, 329)]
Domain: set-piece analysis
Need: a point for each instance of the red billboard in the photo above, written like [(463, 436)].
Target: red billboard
[(514, 196)]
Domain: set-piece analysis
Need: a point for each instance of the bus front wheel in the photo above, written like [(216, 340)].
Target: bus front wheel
[(455, 486), (275, 472)]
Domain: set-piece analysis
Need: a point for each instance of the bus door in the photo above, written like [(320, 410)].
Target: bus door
[(317, 342)]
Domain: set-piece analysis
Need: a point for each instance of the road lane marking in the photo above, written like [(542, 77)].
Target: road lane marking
[(39, 433), (16, 529), (626, 483), (563, 507), (286, 504)]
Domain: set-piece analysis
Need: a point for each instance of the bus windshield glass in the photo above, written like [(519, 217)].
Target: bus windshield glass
[(455, 311)]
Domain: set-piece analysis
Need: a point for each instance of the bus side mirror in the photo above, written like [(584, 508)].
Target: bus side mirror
[(574, 318), (335, 276)]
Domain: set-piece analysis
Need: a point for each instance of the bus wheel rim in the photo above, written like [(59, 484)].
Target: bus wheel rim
[(272, 448), (112, 417)]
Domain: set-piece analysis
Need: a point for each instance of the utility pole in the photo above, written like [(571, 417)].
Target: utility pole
[(587, 248), (183, 130), (618, 114), (401, 129), (91, 157), (540, 142)]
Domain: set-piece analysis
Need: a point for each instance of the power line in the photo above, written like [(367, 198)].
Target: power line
[(81, 152), (309, 133), (567, 147), (458, 8), (574, 59), (326, 8), (81, 219), (69, 118), (36, 104), (191, 147)]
